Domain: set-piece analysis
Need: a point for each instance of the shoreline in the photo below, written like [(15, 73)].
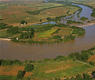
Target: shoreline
[(5, 39), (86, 25)]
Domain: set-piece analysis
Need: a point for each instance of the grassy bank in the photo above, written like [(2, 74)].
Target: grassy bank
[(62, 67)]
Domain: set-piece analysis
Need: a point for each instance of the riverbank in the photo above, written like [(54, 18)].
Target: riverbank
[(5, 39), (85, 25)]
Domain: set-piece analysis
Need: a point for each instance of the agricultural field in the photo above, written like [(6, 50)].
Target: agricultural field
[(32, 12)]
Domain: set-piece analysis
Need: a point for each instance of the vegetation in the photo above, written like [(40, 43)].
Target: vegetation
[(42, 33), (28, 34), (81, 77), (23, 22), (29, 67), (73, 22), (93, 14), (7, 77), (84, 18), (13, 30), (3, 26), (76, 66), (9, 62), (20, 74), (36, 12), (93, 74)]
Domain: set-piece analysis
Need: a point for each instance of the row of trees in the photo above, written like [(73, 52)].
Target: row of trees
[(78, 31), (83, 18), (83, 77), (13, 30), (69, 37), (28, 34), (93, 13), (3, 26), (25, 33), (9, 62), (82, 57)]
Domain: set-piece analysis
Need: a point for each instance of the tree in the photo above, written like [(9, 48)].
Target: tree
[(57, 78), (28, 34), (86, 77), (23, 22), (84, 56), (29, 67), (3, 26), (40, 20), (93, 13), (20, 75), (84, 18), (49, 19), (93, 74), (13, 30)]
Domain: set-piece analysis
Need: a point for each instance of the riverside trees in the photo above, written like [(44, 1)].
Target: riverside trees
[(29, 33)]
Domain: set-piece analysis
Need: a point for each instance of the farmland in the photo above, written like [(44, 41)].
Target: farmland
[(22, 11)]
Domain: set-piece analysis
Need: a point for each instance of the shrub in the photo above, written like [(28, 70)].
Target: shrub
[(9, 62), (13, 30), (86, 77), (84, 18), (92, 63), (78, 31), (93, 74), (60, 58), (29, 33), (29, 67), (81, 77), (69, 37), (75, 56), (57, 37), (5, 62), (83, 56), (93, 13), (20, 74), (23, 22), (3, 26)]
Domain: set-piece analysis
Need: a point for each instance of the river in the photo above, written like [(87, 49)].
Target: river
[(11, 50)]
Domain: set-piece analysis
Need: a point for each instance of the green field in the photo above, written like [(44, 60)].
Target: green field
[(54, 69)]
